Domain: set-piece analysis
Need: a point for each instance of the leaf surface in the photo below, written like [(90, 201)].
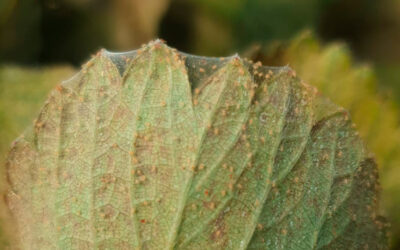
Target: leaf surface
[(156, 149)]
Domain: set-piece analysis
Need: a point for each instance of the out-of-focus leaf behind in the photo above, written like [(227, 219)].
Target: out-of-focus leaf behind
[(22, 92), (389, 79), (19, 30), (220, 27), (68, 31)]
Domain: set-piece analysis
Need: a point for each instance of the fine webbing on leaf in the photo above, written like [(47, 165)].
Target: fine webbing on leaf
[(156, 149)]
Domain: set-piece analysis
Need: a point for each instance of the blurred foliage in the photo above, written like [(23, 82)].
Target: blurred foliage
[(220, 27), (22, 93), (371, 28), (19, 27), (389, 75), (333, 71), (69, 30)]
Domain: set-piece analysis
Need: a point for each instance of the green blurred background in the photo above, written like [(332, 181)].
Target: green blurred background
[(349, 49)]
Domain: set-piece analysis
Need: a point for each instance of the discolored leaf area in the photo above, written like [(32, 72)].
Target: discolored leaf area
[(333, 70), (157, 149)]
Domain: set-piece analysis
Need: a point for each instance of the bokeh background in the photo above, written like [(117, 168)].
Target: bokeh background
[(349, 49)]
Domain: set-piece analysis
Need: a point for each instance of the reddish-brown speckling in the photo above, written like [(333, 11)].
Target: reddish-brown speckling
[(151, 145), (59, 88), (211, 205)]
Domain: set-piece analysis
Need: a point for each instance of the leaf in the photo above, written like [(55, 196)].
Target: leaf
[(22, 91), (156, 149), (333, 71)]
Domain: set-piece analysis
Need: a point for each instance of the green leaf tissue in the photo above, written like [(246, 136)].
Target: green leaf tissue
[(158, 149)]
